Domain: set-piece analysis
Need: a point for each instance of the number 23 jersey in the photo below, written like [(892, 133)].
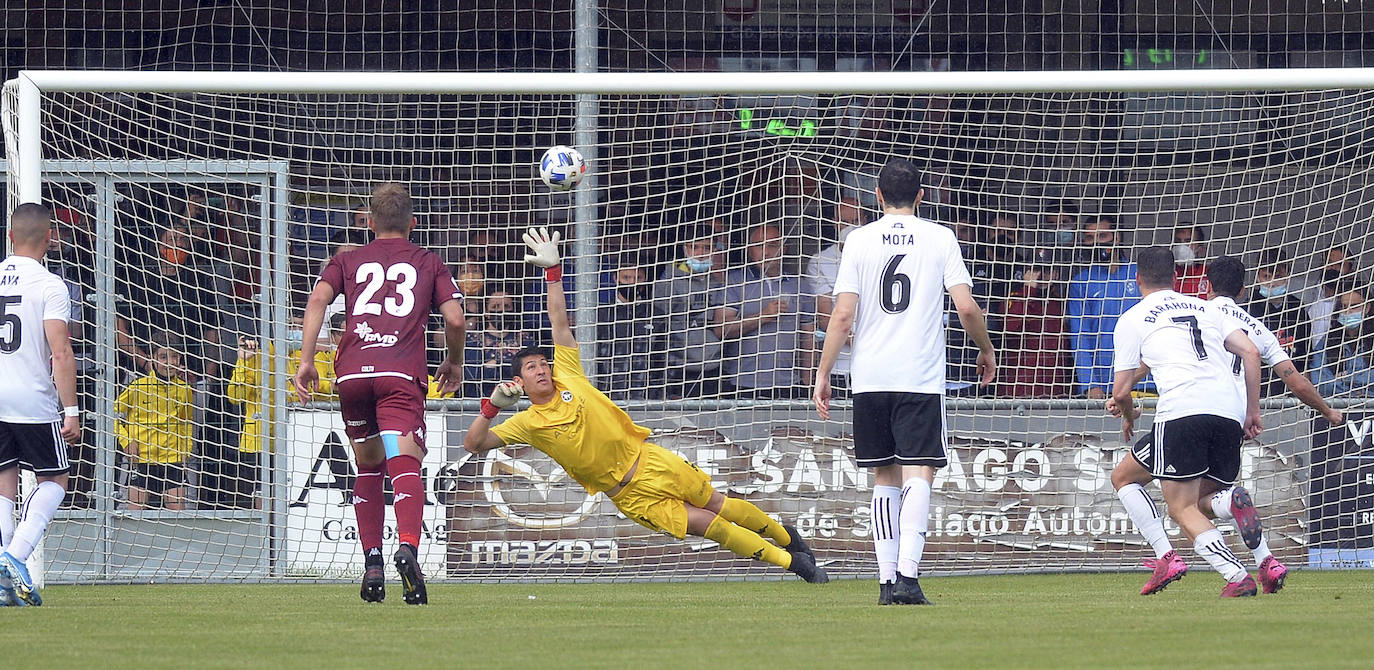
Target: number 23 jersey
[(1183, 340), (390, 287)]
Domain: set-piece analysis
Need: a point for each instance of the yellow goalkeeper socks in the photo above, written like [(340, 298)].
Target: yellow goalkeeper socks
[(747, 543), (745, 513)]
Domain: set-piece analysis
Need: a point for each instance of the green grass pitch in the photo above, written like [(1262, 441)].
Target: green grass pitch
[(1041, 621)]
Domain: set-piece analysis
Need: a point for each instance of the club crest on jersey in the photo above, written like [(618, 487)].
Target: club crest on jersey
[(566, 396), (375, 339)]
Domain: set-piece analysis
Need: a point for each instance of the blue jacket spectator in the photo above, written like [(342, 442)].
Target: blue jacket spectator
[(1097, 297)]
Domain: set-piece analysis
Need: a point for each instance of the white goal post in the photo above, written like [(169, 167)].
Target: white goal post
[(1270, 165)]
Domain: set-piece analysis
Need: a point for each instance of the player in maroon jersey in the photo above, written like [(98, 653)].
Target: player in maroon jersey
[(390, 287)]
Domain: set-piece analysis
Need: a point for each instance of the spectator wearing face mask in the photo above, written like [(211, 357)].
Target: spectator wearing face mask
[(1007, 258), (1281, 312), (1345, 367), (688, 295), (1097, 297), (1321, 311), (821, 272), (1338, 262), (1059, 232), (499, 334), (630, 340), (1190, 265)]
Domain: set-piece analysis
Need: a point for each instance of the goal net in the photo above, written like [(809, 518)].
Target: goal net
[(193, 221)]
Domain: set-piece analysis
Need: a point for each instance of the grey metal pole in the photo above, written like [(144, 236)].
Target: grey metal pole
[(278, 312), (585, 197), (107, 365)]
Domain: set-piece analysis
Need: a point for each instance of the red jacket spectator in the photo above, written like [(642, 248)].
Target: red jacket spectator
[(1191, 279), (1037, 365)]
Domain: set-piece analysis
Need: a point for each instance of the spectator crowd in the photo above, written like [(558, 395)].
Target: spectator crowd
[(703, 307)]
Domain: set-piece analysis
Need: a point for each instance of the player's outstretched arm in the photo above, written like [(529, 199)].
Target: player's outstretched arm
[(836, 335), (479, 438), (307, 377), (976, 325), (64, 374), (1303, 389), (544, 253), (1240, 344)]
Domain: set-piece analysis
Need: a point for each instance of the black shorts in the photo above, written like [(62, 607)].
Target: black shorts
[(37, 447), (158, 478), (1202, 445), (901, 428)]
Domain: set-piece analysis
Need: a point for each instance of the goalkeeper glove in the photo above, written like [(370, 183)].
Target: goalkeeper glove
[(504, 396), (545, 248)]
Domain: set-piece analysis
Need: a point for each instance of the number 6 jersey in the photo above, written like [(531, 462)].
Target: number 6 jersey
[(390, 287), (1183, 340), (900, 266)]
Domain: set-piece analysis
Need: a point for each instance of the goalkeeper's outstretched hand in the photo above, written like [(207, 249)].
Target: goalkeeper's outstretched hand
[(506, 394), (544, 246)]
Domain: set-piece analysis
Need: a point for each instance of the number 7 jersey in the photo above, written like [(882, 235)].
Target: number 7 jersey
[(1183, 340), (900, 267), (390, 287)]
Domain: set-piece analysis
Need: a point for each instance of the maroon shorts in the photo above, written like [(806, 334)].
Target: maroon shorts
[(373, 405)]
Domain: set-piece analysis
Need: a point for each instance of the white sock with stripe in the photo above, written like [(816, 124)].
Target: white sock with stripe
[(6, 521), (1140, 506), (887, 503), (915, 520), (1212, 547), (39, 509)]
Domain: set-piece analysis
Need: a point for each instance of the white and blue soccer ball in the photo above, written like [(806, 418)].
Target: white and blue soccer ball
[(562, 168)]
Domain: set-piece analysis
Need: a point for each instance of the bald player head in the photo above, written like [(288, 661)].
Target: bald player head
[(30, 228)]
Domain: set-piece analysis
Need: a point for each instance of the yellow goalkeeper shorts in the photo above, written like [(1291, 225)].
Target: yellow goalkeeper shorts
[(663, 483)]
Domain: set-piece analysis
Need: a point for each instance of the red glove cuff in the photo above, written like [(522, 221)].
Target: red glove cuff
[(489, 409), (553, 274)]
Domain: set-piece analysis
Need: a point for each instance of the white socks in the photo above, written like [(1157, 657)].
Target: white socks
[(39, 509), (887, 502), (1212, 547), (1145, 514), (1221, 506), (915, 520), (6, 522)]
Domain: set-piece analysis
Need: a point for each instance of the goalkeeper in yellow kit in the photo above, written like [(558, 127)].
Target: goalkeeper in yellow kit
[(598, 444)]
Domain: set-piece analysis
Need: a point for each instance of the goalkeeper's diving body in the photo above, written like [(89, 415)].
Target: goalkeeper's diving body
[(598, 445)]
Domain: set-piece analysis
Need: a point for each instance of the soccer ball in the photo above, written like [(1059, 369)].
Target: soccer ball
[(562, 168)]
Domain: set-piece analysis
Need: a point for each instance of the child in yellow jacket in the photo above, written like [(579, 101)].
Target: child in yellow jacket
[(154, 428)]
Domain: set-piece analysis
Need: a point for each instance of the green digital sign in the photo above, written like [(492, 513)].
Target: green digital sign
[(1164, 58), (749, 121)]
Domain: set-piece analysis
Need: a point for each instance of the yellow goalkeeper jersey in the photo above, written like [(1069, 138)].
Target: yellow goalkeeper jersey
[(245, 388), (595, 441), (155, 414)]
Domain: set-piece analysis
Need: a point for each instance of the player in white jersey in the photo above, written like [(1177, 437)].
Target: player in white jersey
[(1221, 498), (1201, 415), (35, 350), (890, 294)]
